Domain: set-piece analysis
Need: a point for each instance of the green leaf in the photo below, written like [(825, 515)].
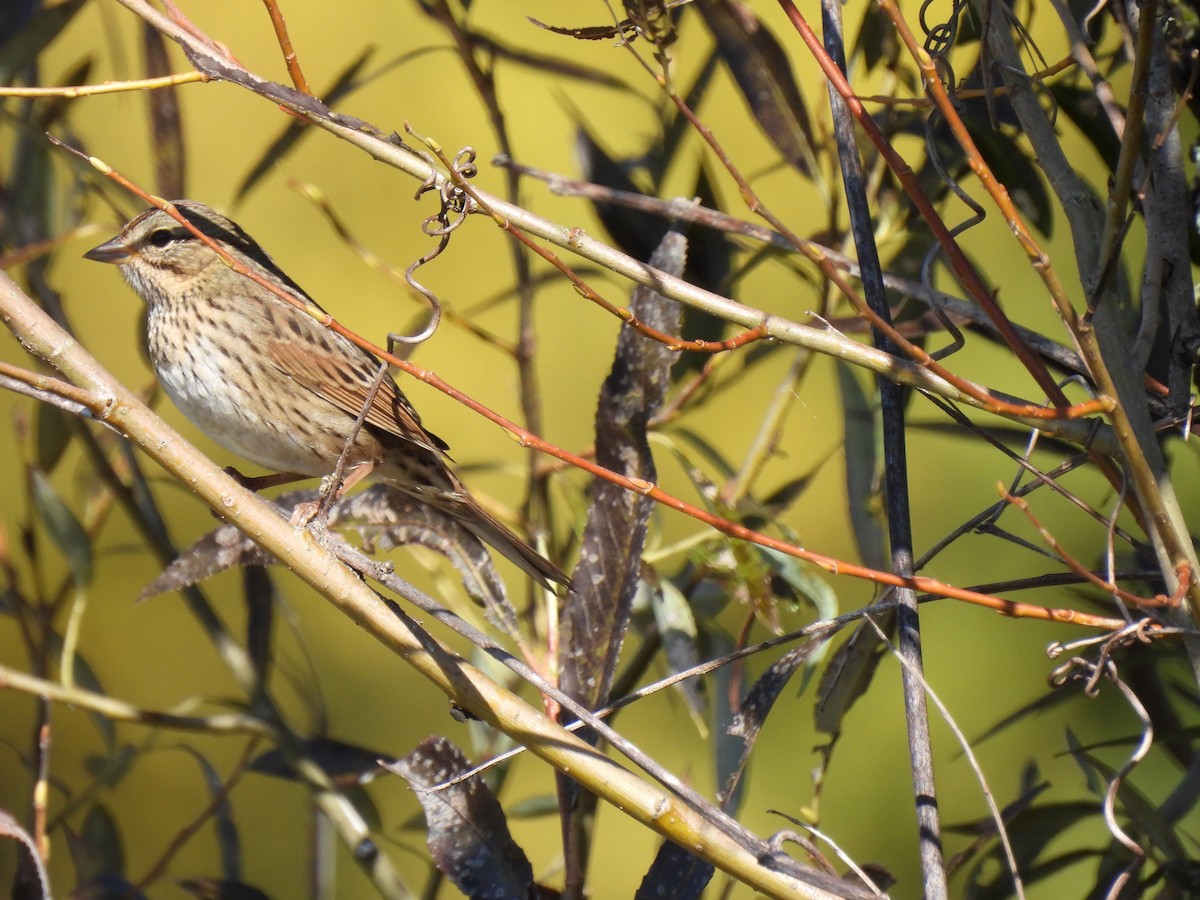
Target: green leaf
[(53, 434), (64, 529), (102, 837), (798, 575), (677, 625), (864, 455)]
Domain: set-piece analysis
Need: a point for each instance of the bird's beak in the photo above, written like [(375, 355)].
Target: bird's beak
[(115, 251)]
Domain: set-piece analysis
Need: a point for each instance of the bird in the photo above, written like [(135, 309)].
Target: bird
[(268, 382)]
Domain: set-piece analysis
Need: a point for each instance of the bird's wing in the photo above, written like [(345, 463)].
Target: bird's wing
[(345, 378)]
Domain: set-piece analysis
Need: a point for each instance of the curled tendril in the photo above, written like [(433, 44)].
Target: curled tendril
[(1092, 673), (435, 305), (1143, 631), (957, 342), (454, 204), (1077, 668), (940, 38)]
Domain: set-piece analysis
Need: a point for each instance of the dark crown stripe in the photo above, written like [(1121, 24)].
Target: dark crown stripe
[(221, 229)]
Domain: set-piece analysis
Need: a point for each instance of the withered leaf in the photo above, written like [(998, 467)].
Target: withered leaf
[(31, 880), (595, 613), (468, 833), (625, 29), (675, 873), (383, 517), (848, 675)]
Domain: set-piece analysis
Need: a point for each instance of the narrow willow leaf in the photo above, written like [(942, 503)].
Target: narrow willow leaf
[(999, 885), (677, 625), (84, 676), (166, 120), (847, 678), (102, 837), (63, 527), (763, 73), (1083, 108), (595, 615), (864, 462), (877, 39), (1016, 171), (221, 811), (110, 767), (633, 230), (259, 591), (534, 807), (748, 722), (804, 583), (727, 748), (53, 435), (347, 764)]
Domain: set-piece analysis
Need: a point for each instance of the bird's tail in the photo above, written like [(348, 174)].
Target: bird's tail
[(427, 478), (480, 523)]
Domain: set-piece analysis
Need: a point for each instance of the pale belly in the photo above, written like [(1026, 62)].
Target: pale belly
[(207, 389)]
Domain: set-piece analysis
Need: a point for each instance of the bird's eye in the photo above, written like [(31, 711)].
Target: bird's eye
[(160, 237)]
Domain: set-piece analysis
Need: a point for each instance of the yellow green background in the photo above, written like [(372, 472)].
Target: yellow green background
[(152, 654)]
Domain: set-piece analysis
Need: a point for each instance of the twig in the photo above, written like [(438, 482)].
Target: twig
[(285, 45), (106, 87), (1184, 578)]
